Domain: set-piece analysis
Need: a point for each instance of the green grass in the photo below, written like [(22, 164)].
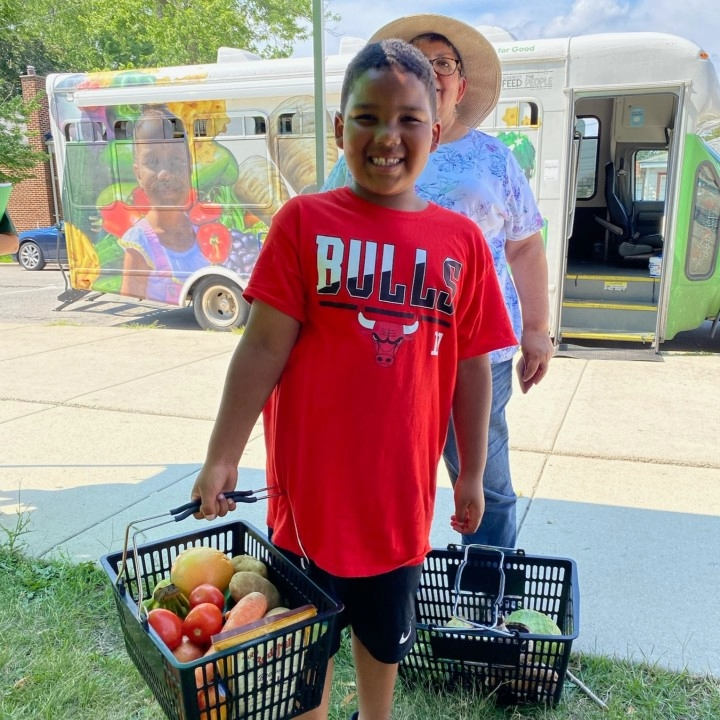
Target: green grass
[(7, 259), (62, 657), (64, 323)]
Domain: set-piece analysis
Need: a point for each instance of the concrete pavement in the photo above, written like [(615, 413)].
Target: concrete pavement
[(616, 463)]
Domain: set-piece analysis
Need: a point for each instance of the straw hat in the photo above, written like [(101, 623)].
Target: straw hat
[(480, 62)]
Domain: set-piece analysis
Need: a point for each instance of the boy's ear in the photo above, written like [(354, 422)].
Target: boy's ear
[(339, 126), (436, 128)]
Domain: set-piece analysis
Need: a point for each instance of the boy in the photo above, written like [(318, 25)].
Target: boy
[(372, 313)]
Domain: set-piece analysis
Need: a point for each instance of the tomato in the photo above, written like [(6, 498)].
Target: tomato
[(207, 593), (202, 622), (118, 217), (167, 625), (187, 651), (215, 242), (201, 213)]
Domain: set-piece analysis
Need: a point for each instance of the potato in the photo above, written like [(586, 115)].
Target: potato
[(247, 563), (277, 611), (243, 583)]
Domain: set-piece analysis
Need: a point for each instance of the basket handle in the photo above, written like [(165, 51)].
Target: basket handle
[(175, 515), (491, 627)]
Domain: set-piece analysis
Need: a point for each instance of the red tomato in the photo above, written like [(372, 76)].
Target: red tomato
[(207, 593), (202, 622), (215, 242), (167, 625), (187, 651), (201, 213)]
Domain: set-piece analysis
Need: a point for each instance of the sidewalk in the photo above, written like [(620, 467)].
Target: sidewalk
[(616, 462)]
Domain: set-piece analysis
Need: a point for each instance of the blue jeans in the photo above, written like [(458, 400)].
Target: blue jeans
[(499, 523)]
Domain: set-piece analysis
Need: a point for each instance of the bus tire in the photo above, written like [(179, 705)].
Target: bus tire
[(218, 304)]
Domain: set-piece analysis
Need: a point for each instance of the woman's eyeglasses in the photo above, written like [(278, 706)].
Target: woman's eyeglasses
[(445, 65)]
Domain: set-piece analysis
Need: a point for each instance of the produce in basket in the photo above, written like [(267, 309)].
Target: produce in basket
[(197, 565), (249, 608), (535, 679), (207, 593), (167, 625), (212, 702), (535, 623), (168, 596), (276, 611), (202, 622), (248, 563), (187, 651), (243, 583)]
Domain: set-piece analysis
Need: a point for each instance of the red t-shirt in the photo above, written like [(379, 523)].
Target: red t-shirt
[(389, 302)]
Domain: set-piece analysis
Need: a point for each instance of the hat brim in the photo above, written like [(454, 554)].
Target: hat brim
[(480, 62)]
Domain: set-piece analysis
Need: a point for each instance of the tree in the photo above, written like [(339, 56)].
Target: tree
[(89, 35), (17, 157)]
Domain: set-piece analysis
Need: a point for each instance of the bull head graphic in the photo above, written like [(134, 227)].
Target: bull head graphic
[(387, 336)]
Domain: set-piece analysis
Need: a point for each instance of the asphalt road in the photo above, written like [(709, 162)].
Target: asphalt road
[(32, 297)]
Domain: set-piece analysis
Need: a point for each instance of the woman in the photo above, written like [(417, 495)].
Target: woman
[(477, 175)]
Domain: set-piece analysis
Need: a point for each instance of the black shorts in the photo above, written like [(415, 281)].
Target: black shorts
[(380, 609)]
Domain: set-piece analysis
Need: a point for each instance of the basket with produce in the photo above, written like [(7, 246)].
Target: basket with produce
[(220, 624), (496, 620)]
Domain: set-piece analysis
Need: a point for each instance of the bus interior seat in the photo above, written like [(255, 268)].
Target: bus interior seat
[(629, 243)]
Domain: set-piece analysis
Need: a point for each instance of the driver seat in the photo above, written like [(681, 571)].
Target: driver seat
[(629, 243)]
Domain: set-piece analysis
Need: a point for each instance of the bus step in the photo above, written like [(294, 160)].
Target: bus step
[(611, 287), (626, 317), (571, 333), (70, 296)]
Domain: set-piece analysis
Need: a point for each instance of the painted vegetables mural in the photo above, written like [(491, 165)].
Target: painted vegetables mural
[(155, 192)]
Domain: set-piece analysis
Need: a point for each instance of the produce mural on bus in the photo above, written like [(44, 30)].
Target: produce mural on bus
[(518, 141), (155, 192)]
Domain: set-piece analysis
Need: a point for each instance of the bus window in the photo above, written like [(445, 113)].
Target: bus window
[(122, 130), (87, 174), (230, 125), (705, 221), (650, 177), (285, 124), (589, 129), (220, 144), (86, 131)]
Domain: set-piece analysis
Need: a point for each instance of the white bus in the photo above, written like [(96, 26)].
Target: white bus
[(611, 130)]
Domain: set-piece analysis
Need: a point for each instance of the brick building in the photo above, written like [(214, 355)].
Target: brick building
[(33, 202)]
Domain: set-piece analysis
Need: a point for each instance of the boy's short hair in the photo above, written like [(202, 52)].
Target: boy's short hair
[(390, 54)]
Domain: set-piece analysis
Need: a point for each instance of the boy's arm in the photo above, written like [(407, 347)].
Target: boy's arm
[(471, 415), (255, 369)]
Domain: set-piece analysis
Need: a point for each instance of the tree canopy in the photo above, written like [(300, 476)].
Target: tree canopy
[(88, 35), (91, 35), (17, 156)]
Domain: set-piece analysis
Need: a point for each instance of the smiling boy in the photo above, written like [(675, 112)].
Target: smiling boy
[(372, 315)]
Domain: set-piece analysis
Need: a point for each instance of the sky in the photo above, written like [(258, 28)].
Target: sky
[(696, 20)]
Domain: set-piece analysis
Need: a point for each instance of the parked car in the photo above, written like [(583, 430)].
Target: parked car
[(40, 246)]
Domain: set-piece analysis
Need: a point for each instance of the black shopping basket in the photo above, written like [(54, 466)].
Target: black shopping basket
[(277, 676), (481, 585)]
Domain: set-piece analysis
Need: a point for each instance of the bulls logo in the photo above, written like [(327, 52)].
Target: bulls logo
[(387, 337)]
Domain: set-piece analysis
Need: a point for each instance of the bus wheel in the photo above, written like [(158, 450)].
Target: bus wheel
[(218, 304)]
